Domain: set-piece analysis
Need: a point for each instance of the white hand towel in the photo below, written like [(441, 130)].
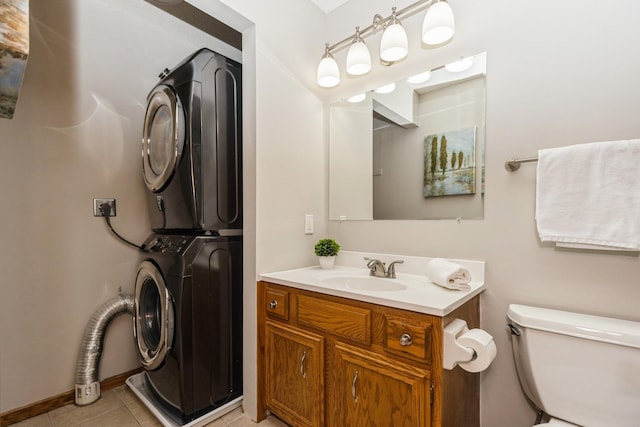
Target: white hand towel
[(448, 274), (588, 195)]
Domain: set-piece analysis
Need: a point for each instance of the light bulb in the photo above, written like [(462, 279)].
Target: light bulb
[(394, 44), (328, 73), (438, 25), (358, 57)]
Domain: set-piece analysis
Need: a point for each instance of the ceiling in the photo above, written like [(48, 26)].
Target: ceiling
[(328, 5)]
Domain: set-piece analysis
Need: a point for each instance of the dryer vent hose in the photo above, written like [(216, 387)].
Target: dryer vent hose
[(87, 384)]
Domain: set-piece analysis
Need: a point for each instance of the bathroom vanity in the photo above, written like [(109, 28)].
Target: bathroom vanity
[(331, 355)]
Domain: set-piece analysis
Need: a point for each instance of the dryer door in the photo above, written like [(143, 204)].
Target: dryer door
[(154, 320), (162, 137)]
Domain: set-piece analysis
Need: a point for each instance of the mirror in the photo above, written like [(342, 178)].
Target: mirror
[(416, 152)]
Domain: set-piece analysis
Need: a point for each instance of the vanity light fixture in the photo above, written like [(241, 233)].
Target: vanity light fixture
[(358, 56), (394, 44), (328, 71), (460, 65), (438, 25), (437, 28)]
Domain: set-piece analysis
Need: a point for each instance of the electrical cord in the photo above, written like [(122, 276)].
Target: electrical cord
[(105, 209)]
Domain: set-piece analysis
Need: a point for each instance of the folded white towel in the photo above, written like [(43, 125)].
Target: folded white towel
[(448, 274), (588, 195)]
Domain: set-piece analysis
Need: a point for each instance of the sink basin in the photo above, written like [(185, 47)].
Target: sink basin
[(366, 283)]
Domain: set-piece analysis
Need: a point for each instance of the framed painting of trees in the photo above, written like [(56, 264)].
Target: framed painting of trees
[(450, 163), (14, 50)]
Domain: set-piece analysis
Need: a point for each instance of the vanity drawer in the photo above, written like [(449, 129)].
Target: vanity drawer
[(342, 320), (408, 338), (277, 302)]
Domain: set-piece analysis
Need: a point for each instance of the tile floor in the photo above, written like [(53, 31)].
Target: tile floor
[(119, 407)]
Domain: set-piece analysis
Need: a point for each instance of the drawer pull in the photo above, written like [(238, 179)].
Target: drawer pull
[(354, 392), (406, 340), (302, 359), (273, 304)]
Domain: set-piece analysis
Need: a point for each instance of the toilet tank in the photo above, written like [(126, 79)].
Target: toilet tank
[(579, 368)]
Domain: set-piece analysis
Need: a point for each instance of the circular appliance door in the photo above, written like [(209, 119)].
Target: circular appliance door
[(154, 321), (162, 137)]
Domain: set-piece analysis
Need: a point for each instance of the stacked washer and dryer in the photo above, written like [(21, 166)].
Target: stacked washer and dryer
[(188, 291)]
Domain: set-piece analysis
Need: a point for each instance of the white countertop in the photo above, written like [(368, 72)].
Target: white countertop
[(421, 295)]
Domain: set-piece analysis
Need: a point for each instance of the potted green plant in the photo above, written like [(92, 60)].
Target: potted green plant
[(326, 250)]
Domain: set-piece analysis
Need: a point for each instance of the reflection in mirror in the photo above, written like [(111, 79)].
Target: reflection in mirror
[(416, 152)]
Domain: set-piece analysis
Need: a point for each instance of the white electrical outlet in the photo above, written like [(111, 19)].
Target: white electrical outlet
[(308, 224)]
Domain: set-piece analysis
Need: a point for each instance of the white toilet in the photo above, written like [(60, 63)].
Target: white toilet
[(581, 370)]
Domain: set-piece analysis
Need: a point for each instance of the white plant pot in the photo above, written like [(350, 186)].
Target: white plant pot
[(327, 262)]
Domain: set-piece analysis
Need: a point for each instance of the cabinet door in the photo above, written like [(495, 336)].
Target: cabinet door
[(295, 374), (378, 392)]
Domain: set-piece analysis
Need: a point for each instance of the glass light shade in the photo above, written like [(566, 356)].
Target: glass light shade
[(328, 72), (358, 59), (420, 78), (357, 98), (394, 45), (386, 88), (438, 25), (458, 66)]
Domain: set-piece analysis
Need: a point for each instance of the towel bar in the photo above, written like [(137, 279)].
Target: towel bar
[(514, 164)]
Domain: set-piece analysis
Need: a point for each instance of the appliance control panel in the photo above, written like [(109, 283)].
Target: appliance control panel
[(167, 244)]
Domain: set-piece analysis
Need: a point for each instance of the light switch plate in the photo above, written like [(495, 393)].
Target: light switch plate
[(308, 224)]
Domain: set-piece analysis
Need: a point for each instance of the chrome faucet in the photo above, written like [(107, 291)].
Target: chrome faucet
[(377, 268), (391, 271)]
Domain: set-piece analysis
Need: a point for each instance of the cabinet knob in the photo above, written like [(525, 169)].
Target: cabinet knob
[(273, 304), (406, 340)]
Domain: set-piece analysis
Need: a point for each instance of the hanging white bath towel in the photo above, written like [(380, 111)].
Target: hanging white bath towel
[(588, 195)]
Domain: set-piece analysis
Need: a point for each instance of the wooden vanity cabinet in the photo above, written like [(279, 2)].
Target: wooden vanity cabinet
[(330, 361), (295, 374), (374, 391)]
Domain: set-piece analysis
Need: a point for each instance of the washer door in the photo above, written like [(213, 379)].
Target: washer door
[(154, 321), (162, 137)]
